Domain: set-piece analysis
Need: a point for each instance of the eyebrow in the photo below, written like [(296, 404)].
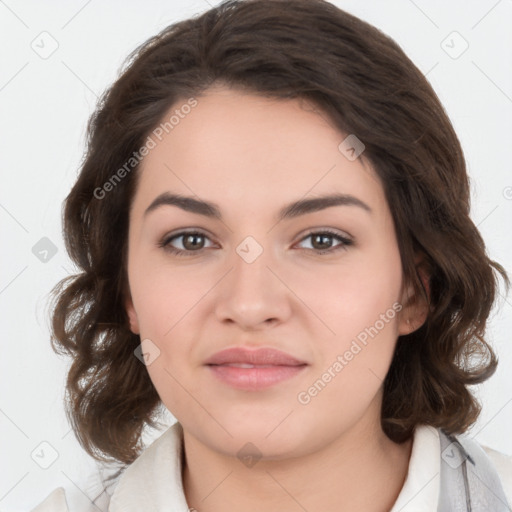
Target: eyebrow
[(292, 210)]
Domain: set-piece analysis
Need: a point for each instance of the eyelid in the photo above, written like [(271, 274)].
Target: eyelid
[(331, 231)]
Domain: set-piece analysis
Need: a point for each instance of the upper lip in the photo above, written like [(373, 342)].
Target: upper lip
[(260, 356)]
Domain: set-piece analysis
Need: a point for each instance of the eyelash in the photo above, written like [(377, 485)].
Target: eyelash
[(164, 244)]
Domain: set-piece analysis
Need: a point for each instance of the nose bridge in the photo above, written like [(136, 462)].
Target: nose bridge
[(250, 274), (251, 293)]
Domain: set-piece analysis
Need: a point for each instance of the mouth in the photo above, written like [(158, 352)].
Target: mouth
[(264, 356), (254, 369), (251, 377), (247, 365)]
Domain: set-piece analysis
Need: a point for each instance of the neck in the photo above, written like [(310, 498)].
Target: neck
[(361, 470)]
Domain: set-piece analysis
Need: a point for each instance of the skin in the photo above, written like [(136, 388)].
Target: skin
[(251, 155)]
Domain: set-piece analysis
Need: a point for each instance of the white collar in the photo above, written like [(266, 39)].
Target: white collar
[(153, 481), (420, 492)]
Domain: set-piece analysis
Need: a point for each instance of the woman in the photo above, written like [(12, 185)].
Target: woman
[(272, 223)]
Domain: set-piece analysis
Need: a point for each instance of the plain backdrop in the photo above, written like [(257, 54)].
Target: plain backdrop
[(463, 47)]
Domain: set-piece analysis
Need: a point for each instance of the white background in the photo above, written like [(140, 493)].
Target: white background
[(45, 104)]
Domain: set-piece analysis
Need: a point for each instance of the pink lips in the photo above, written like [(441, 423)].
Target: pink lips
[(254, 369)]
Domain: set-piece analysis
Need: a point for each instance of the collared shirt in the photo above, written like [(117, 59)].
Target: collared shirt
[(153, 481)]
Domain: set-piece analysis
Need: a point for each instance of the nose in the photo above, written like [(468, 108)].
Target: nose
[(253, 294)]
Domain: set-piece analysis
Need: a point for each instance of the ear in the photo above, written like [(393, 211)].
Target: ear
[(132, 315), (415, 306)]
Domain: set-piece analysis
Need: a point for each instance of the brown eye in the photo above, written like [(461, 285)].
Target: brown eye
[(322, 241), (191, 242)]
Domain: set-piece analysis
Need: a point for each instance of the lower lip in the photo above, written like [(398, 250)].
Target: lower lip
[(254, 378)]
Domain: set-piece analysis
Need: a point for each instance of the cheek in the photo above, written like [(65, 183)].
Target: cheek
[(351, 375), (166, 324), (172, 387), (163, 298), (361, 305), (364, 344), (162, 302), (352, 296)]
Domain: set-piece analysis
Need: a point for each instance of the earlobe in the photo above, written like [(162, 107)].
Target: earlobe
[(406, 323), (415, 306), (132, 316)]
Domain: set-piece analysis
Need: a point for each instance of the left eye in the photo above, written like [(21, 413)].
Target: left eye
[(320, 237), (191, 242)]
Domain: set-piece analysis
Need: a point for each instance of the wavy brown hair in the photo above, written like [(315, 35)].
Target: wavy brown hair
[(363, 82)]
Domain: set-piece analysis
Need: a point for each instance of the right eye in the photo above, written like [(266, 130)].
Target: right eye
[(191, 243)]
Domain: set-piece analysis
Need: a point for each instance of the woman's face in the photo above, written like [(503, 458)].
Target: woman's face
[(255, 278)]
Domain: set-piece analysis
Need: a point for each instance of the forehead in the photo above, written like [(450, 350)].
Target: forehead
[(244, 151)]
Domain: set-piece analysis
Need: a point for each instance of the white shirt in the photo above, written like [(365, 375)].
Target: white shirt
[(153, 481)]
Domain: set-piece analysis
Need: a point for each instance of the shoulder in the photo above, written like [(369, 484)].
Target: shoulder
[(491, 462), (162, 452), (503, 465), (430, 442), (54, 502), (62, 500), (93, 495)]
